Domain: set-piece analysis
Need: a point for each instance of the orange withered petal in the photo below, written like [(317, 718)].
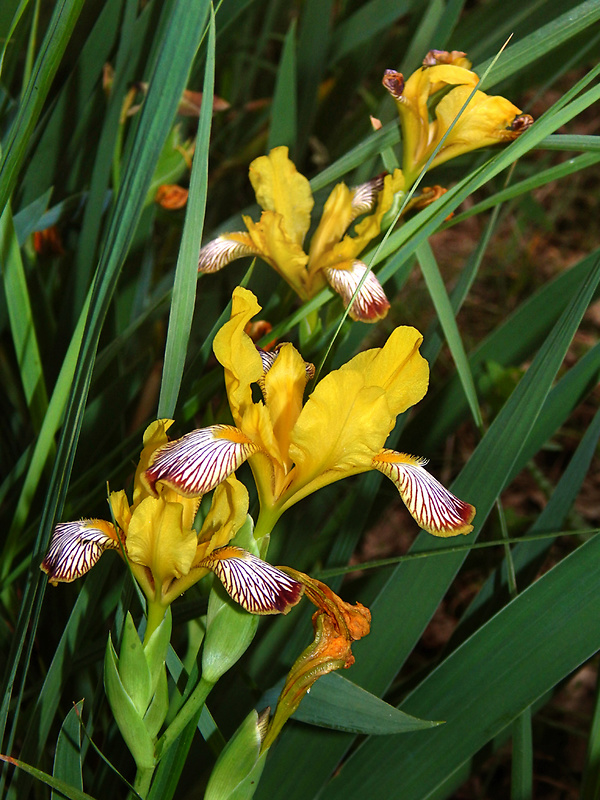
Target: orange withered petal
[(75, 547), (436, 509), (370, 304), (257, 586), (199, 461), (171, 196)]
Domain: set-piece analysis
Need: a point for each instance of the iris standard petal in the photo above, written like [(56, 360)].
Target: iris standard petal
[(281, 188), (370, 304), (256, 585), (398, 368), (75, 547), (343, 425), (435, 509), (236, 352), (158, 540), (199, 461)]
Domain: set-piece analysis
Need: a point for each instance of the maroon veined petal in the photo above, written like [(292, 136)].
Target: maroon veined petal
[(364, 196), (370, 304), (199, 461), (75, 547), (436, 509), (222, 251), (257, 586)]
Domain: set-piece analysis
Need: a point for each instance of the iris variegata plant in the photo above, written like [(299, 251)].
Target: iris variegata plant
[(294, 447)]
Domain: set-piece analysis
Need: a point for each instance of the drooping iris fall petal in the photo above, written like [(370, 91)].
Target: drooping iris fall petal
[(75, 547), (256, 585), (370, 303), (436, 509), (199, 461)]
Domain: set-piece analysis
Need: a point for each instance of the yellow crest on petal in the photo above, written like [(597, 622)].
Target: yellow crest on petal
[(281, 188), (157, 539), (120, 509), (284, 395), (337, 215), (286, 256)]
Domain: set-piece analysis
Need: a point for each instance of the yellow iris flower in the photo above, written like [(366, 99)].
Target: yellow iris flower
[(165, 553), (296, 447), (332, 258), (485, 121)]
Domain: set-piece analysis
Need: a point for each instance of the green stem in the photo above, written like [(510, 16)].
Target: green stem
[(190, 709), (267, 519), (155, 615), (143, 779)]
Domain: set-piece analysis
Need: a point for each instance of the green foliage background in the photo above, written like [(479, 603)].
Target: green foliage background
[(83, 338)]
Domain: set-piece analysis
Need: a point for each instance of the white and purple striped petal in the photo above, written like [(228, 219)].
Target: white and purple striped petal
[(75, 547), (436, 509), (199, 461), (257, 586)]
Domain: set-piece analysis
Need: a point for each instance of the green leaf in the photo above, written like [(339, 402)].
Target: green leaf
[(67, 757), (70, 792), (447, 320), (540, 42), (59, 30), (22, 321), (337, 703), (284, 114), (521, 662), (133, 668), (186, 272), (127, 716)]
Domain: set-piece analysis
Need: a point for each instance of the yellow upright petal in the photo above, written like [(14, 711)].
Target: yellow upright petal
[(338, 432), (485, 121), (281, 188), (284, 395), (155, 436), (235, 350), (275, 246), (158, 540), (398, 368), (120, 509), (337, 215), (226, 516), (352, 245)]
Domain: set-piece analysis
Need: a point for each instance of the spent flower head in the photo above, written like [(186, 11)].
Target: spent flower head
[(447, 78)]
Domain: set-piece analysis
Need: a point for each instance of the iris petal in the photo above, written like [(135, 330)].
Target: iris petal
[(75, 548), (370, 304), (199, 461), (223, 250), (256, 585), (436, 509)]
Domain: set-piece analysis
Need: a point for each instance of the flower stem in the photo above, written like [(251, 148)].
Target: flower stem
[(190, 709), (155, 614), (143, 779)]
